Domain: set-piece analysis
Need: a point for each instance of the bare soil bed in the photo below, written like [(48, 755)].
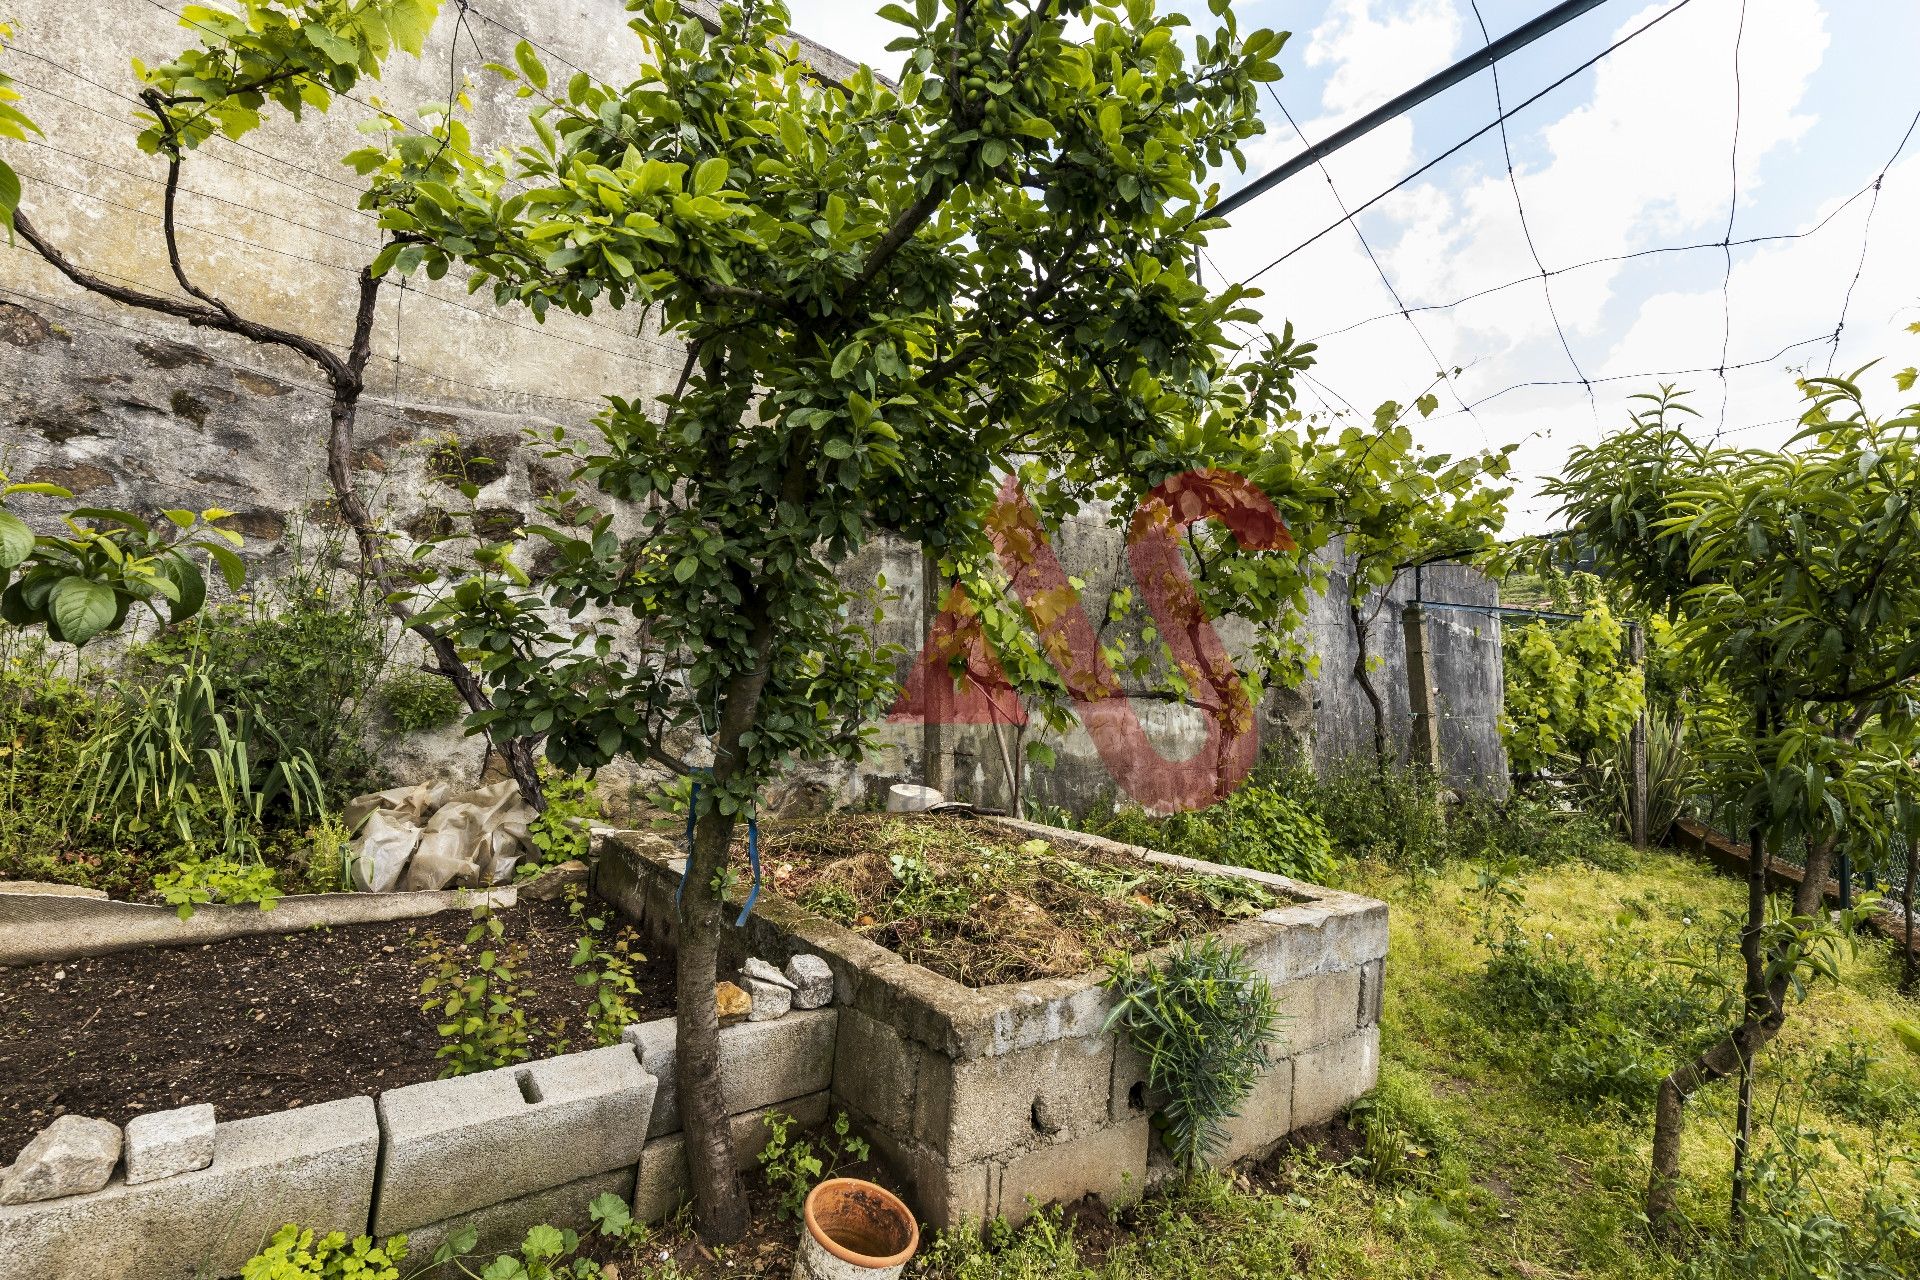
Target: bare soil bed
[(263, 1023), (982, 906)]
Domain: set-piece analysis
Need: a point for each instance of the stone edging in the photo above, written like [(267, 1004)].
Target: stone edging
[(37, 927)]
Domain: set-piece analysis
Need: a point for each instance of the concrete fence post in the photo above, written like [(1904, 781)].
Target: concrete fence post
[(1424, 747)]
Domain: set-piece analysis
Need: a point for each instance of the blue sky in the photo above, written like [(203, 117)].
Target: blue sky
[(1632, 154)]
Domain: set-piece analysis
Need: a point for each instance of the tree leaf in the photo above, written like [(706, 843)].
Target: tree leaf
[(529, 65), (82, 608), (16, 540), (711, 175)]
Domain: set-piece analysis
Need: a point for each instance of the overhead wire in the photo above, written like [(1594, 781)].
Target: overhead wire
[(1440, 366), (1468, 140), (1866, 236), (1526, 229), (1726, 241)]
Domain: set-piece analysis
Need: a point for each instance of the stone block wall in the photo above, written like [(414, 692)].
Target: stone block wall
[(498, 1150), (987, 1100)]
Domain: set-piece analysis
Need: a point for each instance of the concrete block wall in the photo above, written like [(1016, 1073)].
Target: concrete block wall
[(986, 1100), (500, 1151)]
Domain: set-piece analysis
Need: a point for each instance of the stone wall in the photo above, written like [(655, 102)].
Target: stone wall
[(135, 410), (499, 1151)]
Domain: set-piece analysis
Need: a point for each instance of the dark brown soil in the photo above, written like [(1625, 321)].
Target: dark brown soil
[(258, 1024), (983, 906)]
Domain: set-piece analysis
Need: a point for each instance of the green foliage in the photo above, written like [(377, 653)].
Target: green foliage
[(193, 883), (419, 701), (85, 581), (560, 833), (1206, 1023), (296, 1253), (607, 970), (547, 1253), (48, 708), (321, 856), (1571, 691), (295, 53), (477, 999), (1404, 1136), (1375, 809), (13, 124), (1259, 825), (793, 1166), (173, 754), (300, 657)]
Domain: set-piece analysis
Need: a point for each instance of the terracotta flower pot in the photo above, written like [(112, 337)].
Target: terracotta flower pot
[(855, 1230)]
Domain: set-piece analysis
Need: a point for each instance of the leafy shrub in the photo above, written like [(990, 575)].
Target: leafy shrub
[(1571, 690), (321, 856), (478, 1001), (793, 1166), (559, 834), (300, 652), (1259, 825), (419, 701), (295, 1253), (1530, 828), (607, 970), (175, 753), (48, 710), (194, 883), (1375, 809), (1205, 1022)]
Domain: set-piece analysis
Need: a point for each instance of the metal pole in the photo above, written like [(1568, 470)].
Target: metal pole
[(1512, 42), (1637, 744)]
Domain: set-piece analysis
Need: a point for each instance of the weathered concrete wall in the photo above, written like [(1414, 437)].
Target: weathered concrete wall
[(135, 410)]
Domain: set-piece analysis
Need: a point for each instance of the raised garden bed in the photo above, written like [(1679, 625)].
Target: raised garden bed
[(263, 1023), (984, 905), (987, 1095)]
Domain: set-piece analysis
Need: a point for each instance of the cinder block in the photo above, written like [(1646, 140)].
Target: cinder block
[(312, 1165), (1299, 941), (761, 1062), (1318, 1009), (1047, 1010), (876, 1073), (503, 1226), (1373, 983), (1266, 1116), (940, 1194), (661, 1185), (1110, 1163), (1000, 1103), (1328, 1079), (452, 1146)]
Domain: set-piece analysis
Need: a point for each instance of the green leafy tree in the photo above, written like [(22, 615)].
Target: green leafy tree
[(1571, 690), (252, 56), (889, 294), (1793, 579)]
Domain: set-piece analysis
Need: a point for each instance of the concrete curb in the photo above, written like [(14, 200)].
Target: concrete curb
[(37, 927)]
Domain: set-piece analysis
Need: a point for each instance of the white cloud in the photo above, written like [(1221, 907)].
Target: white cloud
[(1373, 57)]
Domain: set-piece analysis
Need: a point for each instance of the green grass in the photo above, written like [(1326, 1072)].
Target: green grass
[(1479, 1164)]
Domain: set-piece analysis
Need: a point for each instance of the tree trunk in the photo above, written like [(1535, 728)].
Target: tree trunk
[(1740, 1046), (719, 1204), (348, 384), (1363, 676)]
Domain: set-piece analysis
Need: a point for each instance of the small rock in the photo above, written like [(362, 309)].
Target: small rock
[(555, 880), (731, 1001), (812, 980), (163, 1143), (70, 1157), (771, 1000), (761, 971)]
